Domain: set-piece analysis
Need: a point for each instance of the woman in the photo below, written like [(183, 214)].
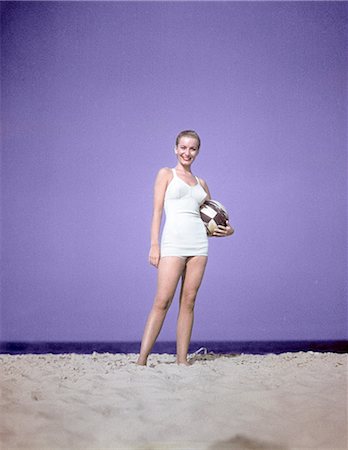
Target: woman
[(184, 245)]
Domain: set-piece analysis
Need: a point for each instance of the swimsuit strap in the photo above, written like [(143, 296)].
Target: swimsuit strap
[(174, 172), (197, 180)]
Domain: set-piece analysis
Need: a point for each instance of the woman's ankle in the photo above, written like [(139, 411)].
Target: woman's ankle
[(182, 360), (142, 361)]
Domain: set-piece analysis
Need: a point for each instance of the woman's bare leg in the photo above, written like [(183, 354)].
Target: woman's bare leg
[(169, 269), (192, 278)]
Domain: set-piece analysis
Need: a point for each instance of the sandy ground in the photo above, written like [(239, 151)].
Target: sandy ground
[(100, 401)]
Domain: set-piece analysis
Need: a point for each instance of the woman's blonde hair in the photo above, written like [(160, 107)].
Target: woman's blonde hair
[(189, 133)]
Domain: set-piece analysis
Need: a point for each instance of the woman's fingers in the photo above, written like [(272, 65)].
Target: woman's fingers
[(222, 231), (154, 260)]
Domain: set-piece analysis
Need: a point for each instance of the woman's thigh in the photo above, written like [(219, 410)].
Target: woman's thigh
[(195, 267), (170, 269)]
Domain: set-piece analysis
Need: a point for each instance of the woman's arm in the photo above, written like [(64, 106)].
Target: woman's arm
[(205, 187), (161, 183)]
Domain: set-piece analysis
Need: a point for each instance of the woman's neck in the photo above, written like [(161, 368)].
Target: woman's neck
[(183, 169)]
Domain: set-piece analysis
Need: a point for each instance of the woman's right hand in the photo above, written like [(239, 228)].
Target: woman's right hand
[(154, 255)]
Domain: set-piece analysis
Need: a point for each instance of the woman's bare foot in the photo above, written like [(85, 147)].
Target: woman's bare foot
[(183, 362), (141, 361)]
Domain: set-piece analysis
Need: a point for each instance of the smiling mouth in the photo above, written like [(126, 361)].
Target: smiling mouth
[(186, 159)]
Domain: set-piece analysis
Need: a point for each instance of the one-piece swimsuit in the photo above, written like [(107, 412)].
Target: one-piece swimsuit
[(184, 233)]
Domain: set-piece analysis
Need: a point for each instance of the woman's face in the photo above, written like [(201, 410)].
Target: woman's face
[(187, 150)]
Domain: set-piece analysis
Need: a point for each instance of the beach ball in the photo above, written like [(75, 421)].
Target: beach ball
[(213, 213)]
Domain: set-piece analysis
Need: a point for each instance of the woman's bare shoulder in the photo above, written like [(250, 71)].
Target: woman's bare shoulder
[(164, 173), (202, 181), (163, 176)]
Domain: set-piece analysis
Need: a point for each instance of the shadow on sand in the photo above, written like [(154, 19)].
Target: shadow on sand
[(210, 356), (240, 442)]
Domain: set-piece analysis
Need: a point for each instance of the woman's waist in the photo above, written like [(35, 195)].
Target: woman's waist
[(183, 221), (182, 212), (184, 218)]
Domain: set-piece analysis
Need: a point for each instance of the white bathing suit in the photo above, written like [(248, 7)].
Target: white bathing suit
[(184, 233)]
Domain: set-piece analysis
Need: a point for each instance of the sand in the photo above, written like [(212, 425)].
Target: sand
[(100, 401)]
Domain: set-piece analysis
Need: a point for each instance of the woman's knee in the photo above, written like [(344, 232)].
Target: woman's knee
[(162, 303), (188, 299)]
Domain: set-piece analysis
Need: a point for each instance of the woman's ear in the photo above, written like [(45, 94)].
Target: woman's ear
[(175, 150)]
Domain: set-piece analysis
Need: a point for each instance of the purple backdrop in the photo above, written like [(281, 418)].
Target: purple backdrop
[(93, 95)]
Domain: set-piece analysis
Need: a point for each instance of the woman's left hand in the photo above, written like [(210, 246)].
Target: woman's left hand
[(222, 231)]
